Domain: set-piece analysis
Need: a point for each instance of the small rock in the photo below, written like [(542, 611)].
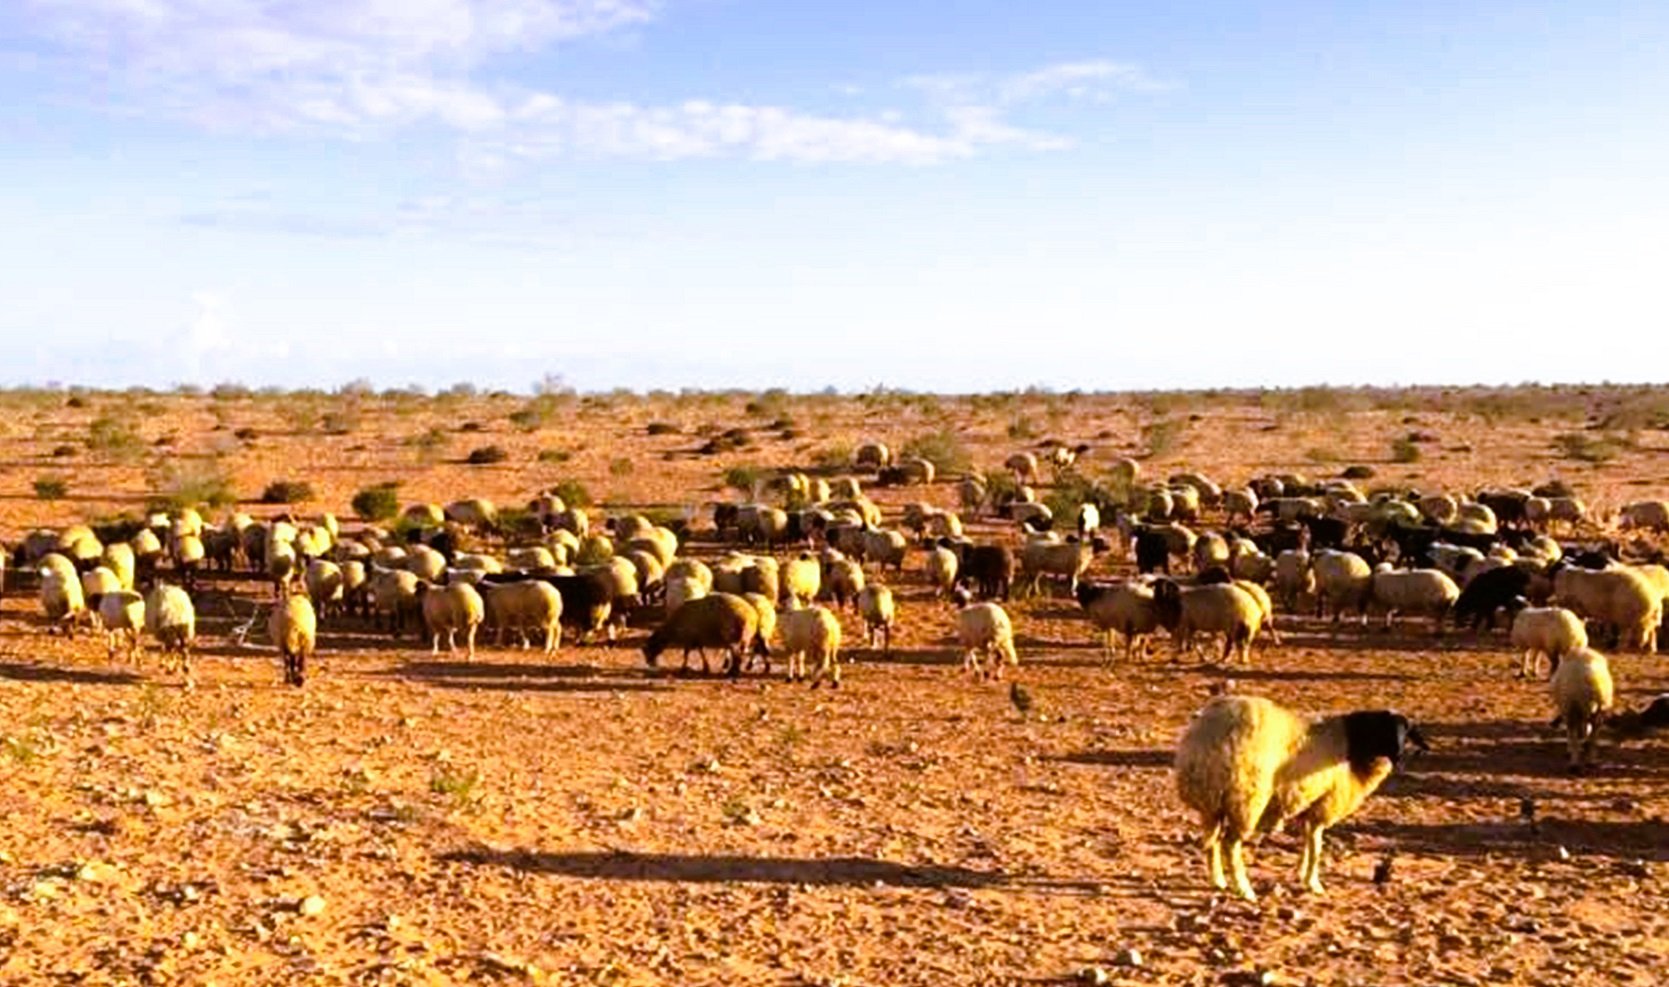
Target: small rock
[(157, 800), (89, 871), (1128, 956), (958, 898), (311, 905), (190, 940), (1094, 975)]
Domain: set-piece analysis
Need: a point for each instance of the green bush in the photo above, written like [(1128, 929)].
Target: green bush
[(573, 493), (287, 492), (743, 478), (51, 487), (378, 503), (113, 438), (554, 455), (1586, 448), (620, 466), (1162, 436), (1405, 450), (191, 483), (944, 449)]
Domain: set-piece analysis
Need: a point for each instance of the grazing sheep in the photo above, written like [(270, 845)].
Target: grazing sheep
[(692, 568), (1620, 598), (1028, 515), (985, 632), (843, 580), (989, 569), (1294, 578), (1343, 581), (722, 620), (1126, 608), (61, 597), (294, 630), (1210, 549), (1419, 591), (1550, 631), (1582, 696), (1089, 520), (802, 580), (972, 494), (448, 610), (122, 613), (1488, 593), (766, 608), (1239, 503), (325, 586), (120, 559), (1024, 467), (875, 603), (1213, 609), (1248, 766), (1067, 560), (392, 594), (941, 566), (845, 488), (171, 619), (871, 455), (682, 589), (886, 548), (1652, 515), (533, 558), (813, 631), (528, 607), (96, 582)]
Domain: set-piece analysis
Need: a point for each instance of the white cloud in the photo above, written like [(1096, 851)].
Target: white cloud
[(362, 69)]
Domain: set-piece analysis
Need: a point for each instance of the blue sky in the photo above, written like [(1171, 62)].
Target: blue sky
[(954, 196)]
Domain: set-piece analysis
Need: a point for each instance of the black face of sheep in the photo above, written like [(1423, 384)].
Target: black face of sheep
[(1167, 600), (1088, 592), (1374, 734), (1214, 576)]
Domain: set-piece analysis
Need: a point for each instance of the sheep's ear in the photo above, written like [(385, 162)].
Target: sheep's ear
[(1413, 737)]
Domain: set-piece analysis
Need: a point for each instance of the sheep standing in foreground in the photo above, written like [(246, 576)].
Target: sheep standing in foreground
[(123, 615), (61, 596), (1582, 695), (294, 629), (1248, 766), (527, 608), (1621, 598), (813, 632), (879, 612), (1421, 591), (984, 631), (171, 619), (448, 610), (721, 620), (1551, 631)]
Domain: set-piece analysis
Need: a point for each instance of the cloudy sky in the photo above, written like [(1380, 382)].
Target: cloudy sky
[(967, 195)]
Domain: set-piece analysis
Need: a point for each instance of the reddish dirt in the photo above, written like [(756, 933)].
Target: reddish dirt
[(581, 820)]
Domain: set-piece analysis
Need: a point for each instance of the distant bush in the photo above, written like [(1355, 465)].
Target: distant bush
[(486, 456), (287, 492), (1405, 450), (114, 438), (191, 483), (1022, 427), (1322, 454), (837, 456), (1359, 471), (432, 440), (51, 487), (573, 493), (378, 503), (743, 478), (554, 455), (245, 434), (1162, 436), (944, 449), (1586, 448), (620, 466), (343, 422), (63, 452), (662, 428)]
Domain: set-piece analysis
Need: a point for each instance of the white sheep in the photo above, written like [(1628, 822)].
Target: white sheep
[(683, 588), (942, 565), (1342, 581), (875, 604), (843, 580), (449, 609), (985, 632), (1067, 560), (1583, 694), (171, 619), (802, 580), (1621, 598), (122, 613), (528, 607), (1652, 515), (1212, 609), (61, 597), (294, 630), (1294, 579), (1415, 591), (1550, 631), (815, 632), (1248, 766)]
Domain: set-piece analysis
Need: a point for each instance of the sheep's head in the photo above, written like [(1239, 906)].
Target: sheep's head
[(1381, 733), (1167, 599)]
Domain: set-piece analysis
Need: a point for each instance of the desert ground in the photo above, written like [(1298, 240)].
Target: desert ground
[(418, 818)]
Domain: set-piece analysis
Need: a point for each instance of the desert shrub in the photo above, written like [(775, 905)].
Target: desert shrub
[(1405, 450), (1322, 454), (837, 456), (743, 478), (1067, 495), (1586, 448), (771, 402), (378, 503), (1359, 471), (114, 438), (662, 428), (191, 483), (1022, 427), (341, 422), (63, 452), (620, 466), (943, 448), (245, 434), (1161, 436), (51, 487), (287, 492), (486, 456), (431, 440), (573, 493), (554, 455)]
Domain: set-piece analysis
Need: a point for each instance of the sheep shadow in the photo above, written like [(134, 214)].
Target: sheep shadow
[(1155, 758), (530, 685), (1303, 675), (727, 869), (74, 676), (441, 670), (1632, 840)]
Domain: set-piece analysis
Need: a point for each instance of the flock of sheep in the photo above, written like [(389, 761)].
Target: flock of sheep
[(1209, 562)]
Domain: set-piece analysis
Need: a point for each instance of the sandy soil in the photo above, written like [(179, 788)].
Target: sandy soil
[(409, 818)]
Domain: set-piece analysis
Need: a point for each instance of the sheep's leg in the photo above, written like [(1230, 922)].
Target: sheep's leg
[(1237, 864), (1213, 844), (553, 638), (1312, 856), (469, 641), (434, 642)]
